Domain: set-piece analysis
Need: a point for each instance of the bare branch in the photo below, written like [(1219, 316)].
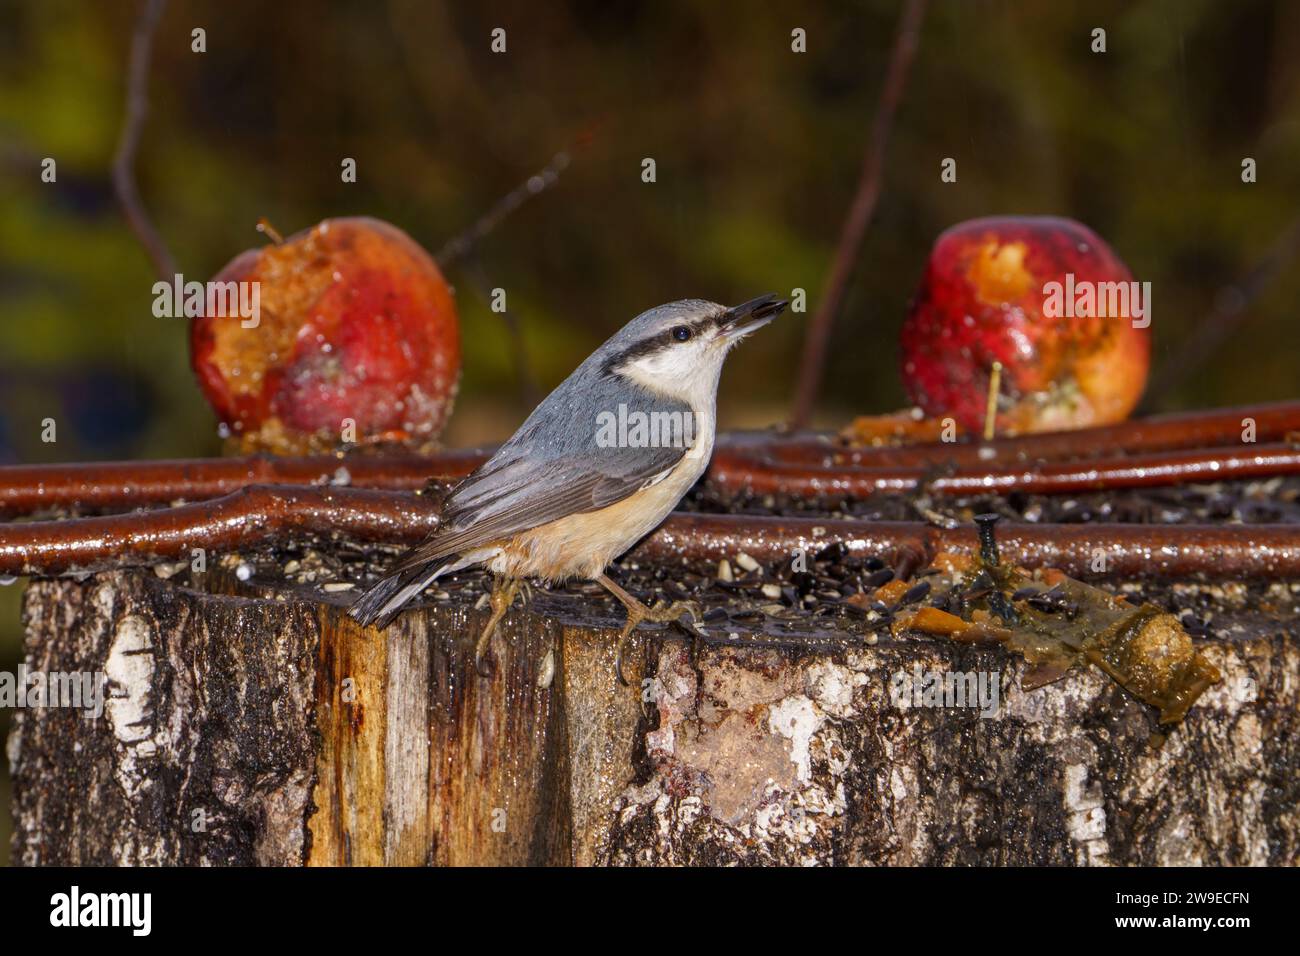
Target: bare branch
[(530, 392), (860, 213), (534, 185), (1230, 310), (137, 108)]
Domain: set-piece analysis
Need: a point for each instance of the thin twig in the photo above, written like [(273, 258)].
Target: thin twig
[(1230, 308), (860, 213), (460, 247), (137, 109), (539, 182), (530, 392)]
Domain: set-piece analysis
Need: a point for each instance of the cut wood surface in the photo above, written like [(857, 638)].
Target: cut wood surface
[(256, 724)]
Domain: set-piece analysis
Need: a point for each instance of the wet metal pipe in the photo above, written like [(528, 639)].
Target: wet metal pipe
[(264, 514)]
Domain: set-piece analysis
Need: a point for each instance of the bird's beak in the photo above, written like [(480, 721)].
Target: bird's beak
[(737, 322)]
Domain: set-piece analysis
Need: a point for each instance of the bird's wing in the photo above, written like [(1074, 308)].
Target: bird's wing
[(513, 495), (557, 464)]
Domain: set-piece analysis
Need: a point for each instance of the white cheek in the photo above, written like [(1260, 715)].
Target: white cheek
[(688, 373), (677, 364)]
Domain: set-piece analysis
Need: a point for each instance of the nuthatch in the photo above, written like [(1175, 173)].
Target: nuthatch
[(597, 466)]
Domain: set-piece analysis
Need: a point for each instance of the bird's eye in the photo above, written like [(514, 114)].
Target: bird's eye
[(681, 333)]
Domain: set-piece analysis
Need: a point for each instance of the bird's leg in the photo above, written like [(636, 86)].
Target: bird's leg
[(503, 595), (638, 612)]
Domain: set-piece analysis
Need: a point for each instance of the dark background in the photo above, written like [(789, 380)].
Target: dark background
[(758, 151)]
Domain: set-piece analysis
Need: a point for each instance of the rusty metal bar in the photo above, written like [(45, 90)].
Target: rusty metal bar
[(245, 518), (1212, 551), (260, 515), (739, 472), (1273, 422), (119, 485), (736, 467)]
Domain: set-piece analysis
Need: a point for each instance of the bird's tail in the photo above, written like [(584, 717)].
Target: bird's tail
[(382, 602)]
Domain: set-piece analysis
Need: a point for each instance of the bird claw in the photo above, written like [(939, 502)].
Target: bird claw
[(619, 654), (664, 612), (661, 612), (503, 595), (483, 651)]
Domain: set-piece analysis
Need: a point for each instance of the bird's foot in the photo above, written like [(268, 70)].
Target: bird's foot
[(660, 613), (664, 612), (503, 595)]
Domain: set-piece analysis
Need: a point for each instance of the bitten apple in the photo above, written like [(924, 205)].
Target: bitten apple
[(1048, 299), (357, 340)]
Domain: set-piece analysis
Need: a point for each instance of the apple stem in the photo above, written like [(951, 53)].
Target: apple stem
[(991, 410), (264, 226)]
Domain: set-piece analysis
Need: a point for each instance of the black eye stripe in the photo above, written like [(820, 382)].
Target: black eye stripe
[(654, 343)]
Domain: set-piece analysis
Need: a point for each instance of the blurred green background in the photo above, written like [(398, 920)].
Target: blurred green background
[(757, 149)]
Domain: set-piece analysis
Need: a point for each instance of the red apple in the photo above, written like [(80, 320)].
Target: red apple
[(986, 296), (356, 323)]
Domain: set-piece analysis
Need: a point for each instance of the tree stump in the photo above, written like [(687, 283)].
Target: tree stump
[(255, 723)]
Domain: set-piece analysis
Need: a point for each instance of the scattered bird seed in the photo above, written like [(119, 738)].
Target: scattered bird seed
[(335, 586), (163, 571), (832, 553), (546, 673), (915, 593), (1049, 601), (878, 578), (746, 562), (1000, 606)]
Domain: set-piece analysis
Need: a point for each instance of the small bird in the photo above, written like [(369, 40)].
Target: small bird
[(596, 466)]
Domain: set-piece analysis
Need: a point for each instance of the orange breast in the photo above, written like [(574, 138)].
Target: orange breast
[(583, 545)]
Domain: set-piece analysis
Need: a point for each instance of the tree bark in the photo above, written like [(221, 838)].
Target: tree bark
[(257, 724)]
